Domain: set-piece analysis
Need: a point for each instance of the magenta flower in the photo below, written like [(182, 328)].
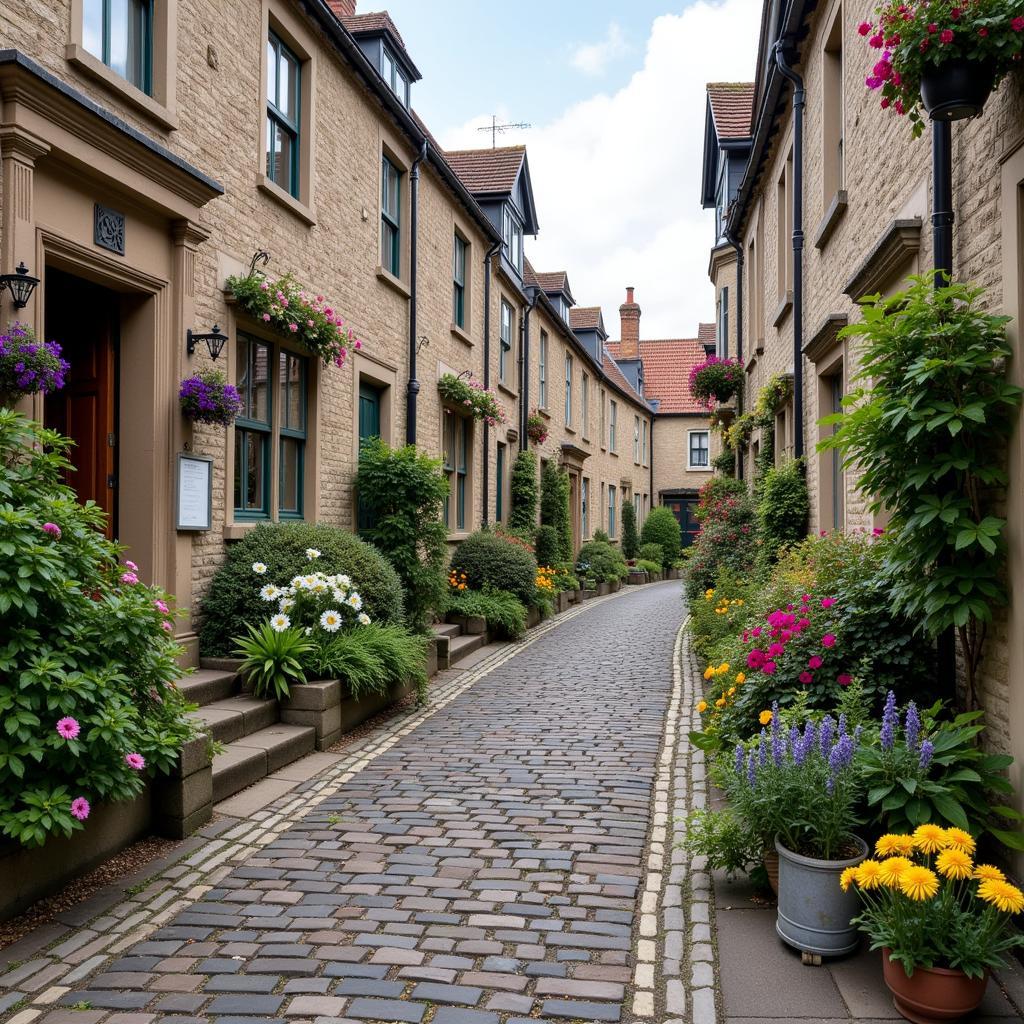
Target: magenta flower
[(828, 640), (806, 678), (814, 661), (129, 578), (136, 761), (80, 808), (52, 529), (165, 625), (844, 679), (827, 602), (769, 668), (755, 659), (68, 728), (161, 606), (1017, 24), (946, 35), (129, 564), (864, 28), (804, 623)]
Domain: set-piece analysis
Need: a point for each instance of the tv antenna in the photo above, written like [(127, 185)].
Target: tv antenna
[(494, 128)]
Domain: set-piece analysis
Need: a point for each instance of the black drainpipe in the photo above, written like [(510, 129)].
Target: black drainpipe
[(413, 389), (738, 247), (650, 456), (798, 248), (488, 256), (524, 366)]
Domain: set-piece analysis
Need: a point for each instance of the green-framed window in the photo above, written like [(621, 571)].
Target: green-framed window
[(499, 489), (506, 342), (292, 370), (456, 468), (120, 33), (370, 396), (390, 217), (284, 88), (636, 440), (459, 282), (253, 428)]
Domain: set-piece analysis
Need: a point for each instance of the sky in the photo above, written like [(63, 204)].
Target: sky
[(614, 94)]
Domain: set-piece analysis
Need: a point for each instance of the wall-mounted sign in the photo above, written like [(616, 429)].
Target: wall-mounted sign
[(194, 493)]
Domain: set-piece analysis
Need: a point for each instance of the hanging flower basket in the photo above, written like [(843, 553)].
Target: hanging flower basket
[(28, 365), (207, 397), (716, 380), (469, 393), (304, 317), (536, 428), (946, 56)]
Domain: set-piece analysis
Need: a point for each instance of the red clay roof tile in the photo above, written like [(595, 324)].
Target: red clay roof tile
[(732, 105), (487, 170), (667, 364), (585, 318)]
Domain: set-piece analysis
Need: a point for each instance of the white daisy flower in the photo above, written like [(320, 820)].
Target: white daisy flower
[(354, 601), (331, 620), (285, 604), (280, 622), (344, 581), (297, 583), (338, 595), (318, 587), (363, 619), (259, 568), (309, 629), (309, 581), (312, 554), (270, 592)]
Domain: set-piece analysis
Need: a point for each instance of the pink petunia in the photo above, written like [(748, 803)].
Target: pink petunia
[(136, 761), (166, 626), (814, 661), (129, 578), (806, 678), (68, 728), (878, 531), (293, 328), (52, 529), (266, 317), (80, 808), (828, 640), (804, 623)]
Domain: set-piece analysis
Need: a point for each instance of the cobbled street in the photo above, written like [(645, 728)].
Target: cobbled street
[(485, 868)]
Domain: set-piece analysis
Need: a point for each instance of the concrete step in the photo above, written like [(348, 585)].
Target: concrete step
[(251, 758), (231, 719), (207, 685), (448, 629), (461, 646)]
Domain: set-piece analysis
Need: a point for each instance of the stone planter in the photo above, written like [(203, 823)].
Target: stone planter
[(814, 913), (474, 625), (956, 89), (603, 589), (183, 800), (636, 577), (562, 601), (532, 617), (615, 586), (588, 594), (578, 596), (932, 993)]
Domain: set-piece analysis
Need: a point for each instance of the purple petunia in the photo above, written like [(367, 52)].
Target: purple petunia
[(28, 366), (206, 397)]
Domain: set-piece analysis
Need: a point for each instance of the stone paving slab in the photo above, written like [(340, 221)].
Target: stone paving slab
[(503, 828)]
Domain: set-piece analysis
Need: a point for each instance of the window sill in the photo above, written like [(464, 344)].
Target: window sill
[(393, 282), (544, 412), (612, 451), (460, 333), (457, 536), (85, 62), (698, 469), (570, 430), (507, 390), (307, 214), (236, 531), (833, 215), (783, 311)]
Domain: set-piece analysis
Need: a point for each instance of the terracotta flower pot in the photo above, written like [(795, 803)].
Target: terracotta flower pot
[(932, 993), (956, 88), (771, 867)]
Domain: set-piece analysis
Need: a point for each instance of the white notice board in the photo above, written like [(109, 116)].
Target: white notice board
[(194, 492)]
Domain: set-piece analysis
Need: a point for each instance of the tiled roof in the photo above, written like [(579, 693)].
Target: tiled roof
[(667, 365), (707, 334), (487, 170), (585, 318), (615, 375), (554, 281), (731, 108), (372, 21)]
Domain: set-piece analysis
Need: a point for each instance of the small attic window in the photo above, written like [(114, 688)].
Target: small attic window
[(394, 75)]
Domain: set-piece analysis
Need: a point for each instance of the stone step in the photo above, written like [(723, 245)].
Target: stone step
[(231, 719), (206, 685), (251, 758), (447, 629), (461, 646)]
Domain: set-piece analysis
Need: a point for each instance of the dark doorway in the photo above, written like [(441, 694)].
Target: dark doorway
[(683, 509), (83, 317)]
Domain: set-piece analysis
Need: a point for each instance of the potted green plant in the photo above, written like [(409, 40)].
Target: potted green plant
[(464, 390), (803, 783), (946, 56), (716, 380), (536, 427), (941, 921)]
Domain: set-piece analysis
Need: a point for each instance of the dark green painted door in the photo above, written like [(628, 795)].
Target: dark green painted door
[(369, 427)]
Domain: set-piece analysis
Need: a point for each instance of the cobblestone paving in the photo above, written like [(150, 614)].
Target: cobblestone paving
[(485, 867)]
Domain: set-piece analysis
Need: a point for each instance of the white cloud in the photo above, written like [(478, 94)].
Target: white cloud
[(617, 177), (593, 58)]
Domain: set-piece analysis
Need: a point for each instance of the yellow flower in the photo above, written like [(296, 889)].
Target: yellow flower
[(720, 703), (1008, 898), (892, 869), (954, 863), (868, 874), (930, 838), (765, 717), (708, 672), (889, 845), (724, 667), (709, 593), (958, 839), (847, 878), (731, 691), (741, 677), (919, 883), (702, 706), (988, 873)]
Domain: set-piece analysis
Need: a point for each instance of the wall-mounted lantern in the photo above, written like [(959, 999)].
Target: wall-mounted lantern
[(20, 284), (215, 341)]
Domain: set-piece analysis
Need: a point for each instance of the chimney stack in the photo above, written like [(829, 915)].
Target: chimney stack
[(342, 8), (629, 327)]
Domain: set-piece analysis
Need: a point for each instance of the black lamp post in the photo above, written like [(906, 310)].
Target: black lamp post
[(20, 284), (215, 341)]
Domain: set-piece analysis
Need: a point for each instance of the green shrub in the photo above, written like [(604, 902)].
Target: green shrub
[(565, 577), (490, 559), (727, 541), (373, 658), (554, 507), (402, 492), (630, 540), (273, 659), (600, 535), (601, 561), (522, 513), (504, 612), (83, 644), (233, 601), (724, 839), (724, 462), (649, 565), (714, 491), (653, 553), (547, 548), (782, 509), (662, 527)]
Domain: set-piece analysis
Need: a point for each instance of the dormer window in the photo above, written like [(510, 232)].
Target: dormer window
[(394, 75), (512, 239)]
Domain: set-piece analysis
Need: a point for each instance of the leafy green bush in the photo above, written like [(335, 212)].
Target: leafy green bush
[(504, 612), (547, 548), (522, 513), (630, 540), (662, 527), (601, 561), (716, 490), (727, 541), (601, 536), (233, 601), (719, 613), (724, 462), (402, 492), (653, 553), (373, 658), (649, 565), (87, 655), (724, 839), (565, 576), (782, 508), (554, 506), (498, 561)]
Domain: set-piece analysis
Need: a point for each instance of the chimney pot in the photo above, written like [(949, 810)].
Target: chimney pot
[(629, 327)]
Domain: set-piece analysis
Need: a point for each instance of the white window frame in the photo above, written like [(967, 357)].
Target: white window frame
[(689, 449), (585, 405), (613, 422), (636, 440)]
